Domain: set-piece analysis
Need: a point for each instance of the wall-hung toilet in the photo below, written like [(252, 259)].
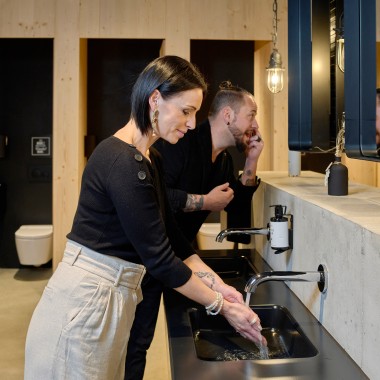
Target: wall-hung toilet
[(34, 244), (206, 237)]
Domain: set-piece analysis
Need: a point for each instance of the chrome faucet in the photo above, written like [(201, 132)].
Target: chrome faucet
[(277, 231), (320, 276), (245, 231)]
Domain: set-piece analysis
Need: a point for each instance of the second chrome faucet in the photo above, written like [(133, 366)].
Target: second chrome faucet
[(319, 276)]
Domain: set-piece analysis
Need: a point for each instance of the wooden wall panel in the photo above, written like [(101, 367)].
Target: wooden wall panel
[(89, 15), (27, 18), (123, 18), (68, 145), (362, 171), (280, 100), (178, 28), (273, 108), (231, 19), (263, 99)]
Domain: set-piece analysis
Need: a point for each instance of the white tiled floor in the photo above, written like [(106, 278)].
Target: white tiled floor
[(20, 290)]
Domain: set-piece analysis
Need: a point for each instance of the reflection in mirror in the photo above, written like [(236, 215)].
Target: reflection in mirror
[(378, 120), (378, 77), (361, 78), (316, 82)]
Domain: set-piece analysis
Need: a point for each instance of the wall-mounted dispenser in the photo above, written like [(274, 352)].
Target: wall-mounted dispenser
[(279, 230), (280, 234), (3, 145)]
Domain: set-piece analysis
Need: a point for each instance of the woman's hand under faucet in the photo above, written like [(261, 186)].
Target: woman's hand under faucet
[(244, 321), (239, 316), (229, 293), (250, 330)]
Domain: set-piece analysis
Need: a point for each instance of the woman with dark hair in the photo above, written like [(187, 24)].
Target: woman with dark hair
[(123, 227)]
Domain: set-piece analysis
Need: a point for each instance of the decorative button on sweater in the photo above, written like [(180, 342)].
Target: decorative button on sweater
[(138, 157), (141, 174)]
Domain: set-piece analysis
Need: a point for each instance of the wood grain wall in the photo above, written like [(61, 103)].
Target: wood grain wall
[(71, 22)]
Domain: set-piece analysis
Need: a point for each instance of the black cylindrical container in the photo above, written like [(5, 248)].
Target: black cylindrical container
[(338, 178)]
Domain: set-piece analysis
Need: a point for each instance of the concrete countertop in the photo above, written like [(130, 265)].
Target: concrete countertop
[(331, 362), (361, 205)]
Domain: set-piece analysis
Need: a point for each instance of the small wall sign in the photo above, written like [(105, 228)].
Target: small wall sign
[(41, 146)]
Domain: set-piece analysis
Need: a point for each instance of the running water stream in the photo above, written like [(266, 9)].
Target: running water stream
[(247, 299), (264, 354)]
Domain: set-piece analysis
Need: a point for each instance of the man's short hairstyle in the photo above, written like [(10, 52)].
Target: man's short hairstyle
[(228, 95)]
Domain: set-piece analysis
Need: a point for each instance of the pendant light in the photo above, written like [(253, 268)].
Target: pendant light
[(275, 71)]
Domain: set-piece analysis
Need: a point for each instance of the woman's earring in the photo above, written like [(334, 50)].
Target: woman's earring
[(155, 122)]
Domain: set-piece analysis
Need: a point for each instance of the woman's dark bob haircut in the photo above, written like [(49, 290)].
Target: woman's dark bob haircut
[(168, 74)]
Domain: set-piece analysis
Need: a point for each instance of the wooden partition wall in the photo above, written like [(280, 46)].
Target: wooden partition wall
[(71, 22)]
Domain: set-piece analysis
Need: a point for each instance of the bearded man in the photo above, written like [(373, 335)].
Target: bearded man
[(199, 171)]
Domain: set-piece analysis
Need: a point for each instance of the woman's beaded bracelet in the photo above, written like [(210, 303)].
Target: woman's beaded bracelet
[(210, 312), (216, 306)]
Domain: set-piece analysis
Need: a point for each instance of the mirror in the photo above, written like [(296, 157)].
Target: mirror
[(316, 84), (303, 42), (378, 77), (319, 91), (361, 79)]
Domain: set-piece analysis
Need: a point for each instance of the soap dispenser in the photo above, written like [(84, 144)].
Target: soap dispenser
[(278, 226), (336, 177), (337, 181)]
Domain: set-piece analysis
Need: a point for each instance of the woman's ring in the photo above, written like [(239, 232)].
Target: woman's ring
[(254, 320)]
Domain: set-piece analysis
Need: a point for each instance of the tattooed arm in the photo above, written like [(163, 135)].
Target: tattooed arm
[(212, 280), (254, 149), (207, 277), (194, 202), (216, 200)]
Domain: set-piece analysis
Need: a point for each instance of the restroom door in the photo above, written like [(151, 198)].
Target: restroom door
[(26, 98), (113, 67)]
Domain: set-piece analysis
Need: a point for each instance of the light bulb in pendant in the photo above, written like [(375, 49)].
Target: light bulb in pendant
[(275, 72)]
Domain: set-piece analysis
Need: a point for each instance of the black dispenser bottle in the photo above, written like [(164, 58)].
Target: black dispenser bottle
[(338, 178)]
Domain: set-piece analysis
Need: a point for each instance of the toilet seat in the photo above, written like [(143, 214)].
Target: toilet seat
[(34, 231), (34, 244)]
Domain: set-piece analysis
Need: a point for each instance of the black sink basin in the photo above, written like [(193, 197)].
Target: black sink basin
[(216, 340), (230, 266)]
